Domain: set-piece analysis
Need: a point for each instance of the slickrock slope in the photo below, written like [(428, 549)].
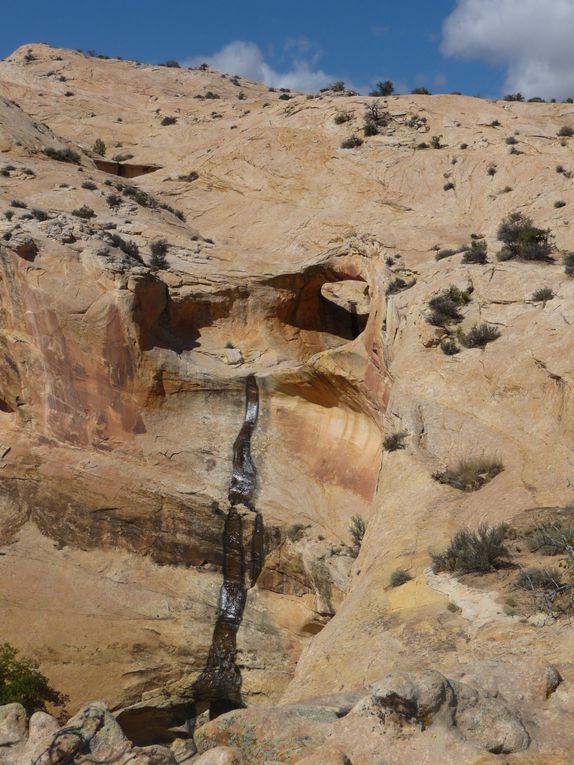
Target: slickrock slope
[(123, 390)]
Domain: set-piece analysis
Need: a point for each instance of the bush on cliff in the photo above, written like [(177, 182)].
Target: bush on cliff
[(21, 682), (474, 551)]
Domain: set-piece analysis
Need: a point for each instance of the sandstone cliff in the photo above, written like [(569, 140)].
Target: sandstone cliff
[(307, 268)]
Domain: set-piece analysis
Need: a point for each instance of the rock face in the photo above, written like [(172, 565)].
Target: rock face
[(187, 436)]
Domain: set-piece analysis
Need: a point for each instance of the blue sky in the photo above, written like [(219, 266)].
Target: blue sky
[(357, 42)]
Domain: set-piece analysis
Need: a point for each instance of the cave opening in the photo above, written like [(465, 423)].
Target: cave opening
[(124, 169)]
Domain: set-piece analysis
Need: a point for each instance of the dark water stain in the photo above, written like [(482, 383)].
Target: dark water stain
[(244, 477), (219, 685)]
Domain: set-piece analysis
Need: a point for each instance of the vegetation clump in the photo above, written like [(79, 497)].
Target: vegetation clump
[(84, 212), (168, 120), (478, 551), (21, 682), (479, 336), (99, 147), (445, 306), (539, 579), (542, 294), (62, 155), (385, 88), (476, 253), (398, 285), (89, 185), (158, 260), (352, 142), (569, 264), (399, 577), (342, 117), (524, 241), (470, 474), (449, 347), (395, 441), (553, 537), (566, 131), (357, 532)]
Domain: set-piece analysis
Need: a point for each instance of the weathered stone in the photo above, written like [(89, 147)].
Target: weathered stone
[(13, 724)]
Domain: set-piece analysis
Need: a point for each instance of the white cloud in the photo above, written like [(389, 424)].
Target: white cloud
[(533, 39), (247, 60)]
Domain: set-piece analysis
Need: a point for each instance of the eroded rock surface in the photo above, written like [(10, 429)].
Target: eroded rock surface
[(308, 269)]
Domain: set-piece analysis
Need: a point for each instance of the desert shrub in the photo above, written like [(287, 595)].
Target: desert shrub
[(398, 577), (9, 214), (569, 264), (128, 247), (171, 64), (84, 212), (560, 169), (514, 150), (158, 258), (21, 682), (423, 145), (89, 185), (511, 140), (342, 117), (464, 146), (370, 129), (178, 213), (476, 253), (285, 97), (448, 186), (140, 197), (539, 579), (62, 155), (470, 474), (448, 253), (542, 295), (113, 200), (566, 131), (168, 120), (474, 551), (552, 537), (352, 142), (337, 87), (395, 441), (449, 347), (385, 88), (513, 97), (559, 203), (18, 203), (377, 114), (435, 142), (40, 214), (398, 285), (99, 147), (357, 532), (421, 92), (491, 170), (445, 306), (523, 240), (479, 336), (189, 177)]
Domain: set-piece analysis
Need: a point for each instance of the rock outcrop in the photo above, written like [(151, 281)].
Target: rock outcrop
[(238, 247)]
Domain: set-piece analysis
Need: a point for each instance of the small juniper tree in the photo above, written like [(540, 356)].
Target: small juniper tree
[(99, 147), (357, 532)]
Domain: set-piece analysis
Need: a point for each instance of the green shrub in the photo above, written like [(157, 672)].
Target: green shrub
[(84, 212), (21, 682), (40, 215), (283, 97), (470, 474), (445, 306), (542, 295), (513, 97), (113, 200), (385, 88), (539, 579), (158, 260), (337, 87), (476, 253), (479, 336), (448, 253), (491, 170), (370, 129), (398, 577), (89, 185), (478, 551), (342, 117), (395, 441), (352, 142), (377, 114), (99, 147), (128, 247), (449, 347), (448, 186), (63, 155), (171, 64), (398, 285), (19, 204), (511, 140), (569, 264), (523, 240), (357, 532), (552, 537), (566, 131), (421, 92), (435, 142), (168, 120)]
